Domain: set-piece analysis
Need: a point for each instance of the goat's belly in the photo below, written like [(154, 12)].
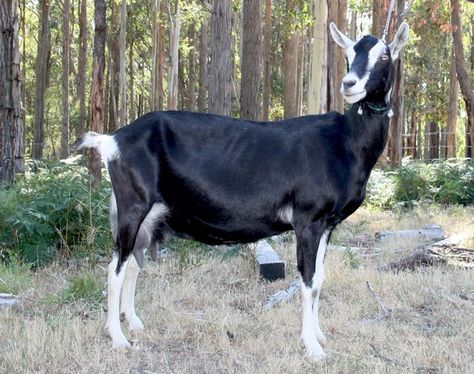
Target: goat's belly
[(229, 233)]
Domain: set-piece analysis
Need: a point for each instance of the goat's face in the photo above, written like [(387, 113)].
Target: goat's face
[(370, 62)]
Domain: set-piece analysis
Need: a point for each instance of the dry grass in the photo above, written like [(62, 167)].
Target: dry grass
[(210, 318)]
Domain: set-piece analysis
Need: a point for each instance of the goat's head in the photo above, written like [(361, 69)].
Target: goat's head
[(370, 64)]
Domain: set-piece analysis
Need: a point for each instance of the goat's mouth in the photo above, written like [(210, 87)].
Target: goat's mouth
[(352, 98)]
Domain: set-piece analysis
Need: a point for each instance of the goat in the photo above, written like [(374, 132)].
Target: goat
[(220, 180)]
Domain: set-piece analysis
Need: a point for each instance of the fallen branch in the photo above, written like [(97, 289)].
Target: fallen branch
[(283, 295), (385, 313), (419, 369), (445, 251)]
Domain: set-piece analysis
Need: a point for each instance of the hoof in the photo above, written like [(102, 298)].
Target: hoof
[(316, 354), (134, 324)]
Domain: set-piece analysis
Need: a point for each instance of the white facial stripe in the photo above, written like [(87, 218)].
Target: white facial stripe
[(374, 54)]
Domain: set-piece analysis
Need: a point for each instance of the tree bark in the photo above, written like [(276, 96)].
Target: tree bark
[(465, 83), (203, 68), (42, 72), (220, 90), (317, 70), (131, 73), (122, 63), (336, 59), (290, 74), (11, 115), (267, 60), (82, 66), (114, 69), (453, 109), (97, 96), (192, 68), (64, 153), (175, 28), (154, 54), (251, 60)]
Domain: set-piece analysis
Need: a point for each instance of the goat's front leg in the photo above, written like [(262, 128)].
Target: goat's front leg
[(127, 305), (311, 247), (115, 282)]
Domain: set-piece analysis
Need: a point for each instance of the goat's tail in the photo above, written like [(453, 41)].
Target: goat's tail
[(105, 144)]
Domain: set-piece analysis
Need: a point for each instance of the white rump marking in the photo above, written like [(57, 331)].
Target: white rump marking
[(105, 144)]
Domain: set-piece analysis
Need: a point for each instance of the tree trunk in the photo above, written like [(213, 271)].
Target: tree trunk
[(434, 140), (154, 54), (64, 153), (42, 72), (203, 69), (250, 60), (267, 60), (82, 68), (290, 74), (192, 68), (336, 59), (411, 137), (175, 27), (453, 109), (11, 116), (114, 69), (465, 83), (131, 100), (123, 77), (220, 90), (97, 95), (317, 70)]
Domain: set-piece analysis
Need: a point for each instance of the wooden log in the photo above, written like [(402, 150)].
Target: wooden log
[(270, 266), (430, 233), (7, 299)]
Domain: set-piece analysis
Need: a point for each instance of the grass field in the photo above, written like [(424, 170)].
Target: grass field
[(209, 317)]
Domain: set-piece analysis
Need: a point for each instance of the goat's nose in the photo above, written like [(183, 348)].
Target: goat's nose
[(348, 83)]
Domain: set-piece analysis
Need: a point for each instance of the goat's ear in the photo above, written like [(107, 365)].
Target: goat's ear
[(399, 41), (339, 37)]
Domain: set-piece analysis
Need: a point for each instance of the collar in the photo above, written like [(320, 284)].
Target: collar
[(377, 108)]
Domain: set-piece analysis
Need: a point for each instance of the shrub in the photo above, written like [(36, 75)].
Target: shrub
[(54, 210), (443, 182)]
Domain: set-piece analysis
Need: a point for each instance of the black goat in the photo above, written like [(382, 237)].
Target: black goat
[(221, 180)]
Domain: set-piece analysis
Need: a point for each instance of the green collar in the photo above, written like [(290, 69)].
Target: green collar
[(377, 108)]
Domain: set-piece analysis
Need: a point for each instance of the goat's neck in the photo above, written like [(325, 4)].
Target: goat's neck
[(369, 121)]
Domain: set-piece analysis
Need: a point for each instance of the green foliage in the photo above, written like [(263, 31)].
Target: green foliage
[(83, 287), (351, 260), (14, 277), (190, 253), (445, 183), (441, 182), (52, 211)]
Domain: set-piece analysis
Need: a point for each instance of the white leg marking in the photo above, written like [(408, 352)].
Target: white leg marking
[(127, 305), (311, 333), (318, 279), (115, 283), (308, 332)]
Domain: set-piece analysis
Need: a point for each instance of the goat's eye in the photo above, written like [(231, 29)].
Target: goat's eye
[(384, 57)]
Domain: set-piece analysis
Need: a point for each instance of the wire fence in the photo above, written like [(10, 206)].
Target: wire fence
[(429, 146)]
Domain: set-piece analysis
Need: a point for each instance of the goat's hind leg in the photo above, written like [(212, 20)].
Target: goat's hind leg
[(127, 304), (115, 282)]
